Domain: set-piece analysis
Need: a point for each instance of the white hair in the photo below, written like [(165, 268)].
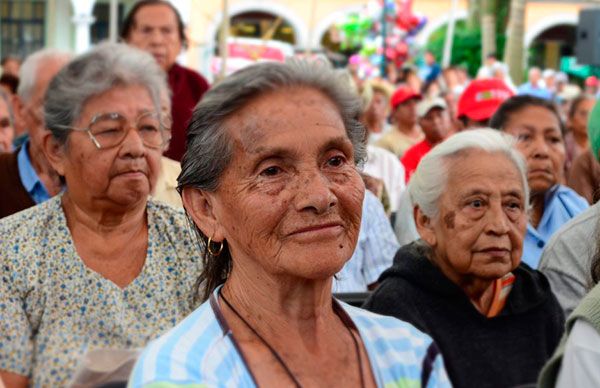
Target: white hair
[(28, 73), (429, 180)]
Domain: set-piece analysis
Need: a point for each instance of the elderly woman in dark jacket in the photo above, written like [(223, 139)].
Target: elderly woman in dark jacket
[(494, 319)]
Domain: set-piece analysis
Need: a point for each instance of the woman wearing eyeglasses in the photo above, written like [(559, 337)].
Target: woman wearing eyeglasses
[(100, 265)]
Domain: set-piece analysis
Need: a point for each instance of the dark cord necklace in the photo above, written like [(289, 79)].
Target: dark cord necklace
[(278, 357)]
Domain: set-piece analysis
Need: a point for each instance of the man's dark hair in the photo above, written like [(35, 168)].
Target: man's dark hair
[(11, 82), (129, 22), (491, 55), (518, 103)]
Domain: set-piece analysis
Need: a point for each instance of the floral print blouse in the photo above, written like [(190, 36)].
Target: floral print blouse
[(53, 308)]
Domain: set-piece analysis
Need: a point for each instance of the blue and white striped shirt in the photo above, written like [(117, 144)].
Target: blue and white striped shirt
[(201, 352), (374, 252)]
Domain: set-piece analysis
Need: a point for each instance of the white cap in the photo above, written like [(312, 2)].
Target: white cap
[(428, 104)]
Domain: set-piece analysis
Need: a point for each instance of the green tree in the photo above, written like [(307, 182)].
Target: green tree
[(467, 48)]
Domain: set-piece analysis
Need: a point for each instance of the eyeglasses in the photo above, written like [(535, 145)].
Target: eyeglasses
[(107, 130)]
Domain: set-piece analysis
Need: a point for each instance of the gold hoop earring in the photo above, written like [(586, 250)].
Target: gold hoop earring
[(210, 250)]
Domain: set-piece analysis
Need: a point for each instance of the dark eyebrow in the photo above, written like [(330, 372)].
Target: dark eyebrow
[(263, 152), (552, 129), (527, 127), (340, 142)]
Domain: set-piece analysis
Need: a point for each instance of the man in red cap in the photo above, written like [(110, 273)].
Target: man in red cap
[(479, 102), (436, 125), (405, 132)]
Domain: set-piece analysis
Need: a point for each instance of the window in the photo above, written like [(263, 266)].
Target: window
[(100, 28), (22, 27)]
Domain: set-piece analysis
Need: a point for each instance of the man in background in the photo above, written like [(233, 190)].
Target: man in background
[(404, 132), (155, 26), (436, 125), (26, 177), (10, 65)]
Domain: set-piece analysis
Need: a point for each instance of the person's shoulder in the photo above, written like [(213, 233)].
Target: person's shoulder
[(25, 221), (169, 166), (191, 75), (413, 155), (574, 236), (387, 140), (382, 327), (398, 349), (172, 226), (8, 167), (166, 214), (584, 223), (8, 157), (374, 149), (571, 200), (410, 153), (178, 356)]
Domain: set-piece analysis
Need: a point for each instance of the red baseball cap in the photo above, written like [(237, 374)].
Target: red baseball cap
[(402, 94), (482, 97), (591, 81)]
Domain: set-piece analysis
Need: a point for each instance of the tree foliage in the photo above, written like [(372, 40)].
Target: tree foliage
[(466, 49)]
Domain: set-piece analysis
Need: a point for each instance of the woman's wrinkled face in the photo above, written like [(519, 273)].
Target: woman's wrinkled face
[(540, 140), (482, 217), (580, 117), (124, 174), (290, 199)]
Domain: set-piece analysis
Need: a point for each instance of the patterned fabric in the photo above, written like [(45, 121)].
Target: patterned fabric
[(200, 352), (54, 309), (502, 288), (374, 251)]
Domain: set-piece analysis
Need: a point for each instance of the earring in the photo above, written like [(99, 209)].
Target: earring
[(211, 251)]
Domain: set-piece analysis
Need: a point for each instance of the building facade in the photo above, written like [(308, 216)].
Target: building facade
[(74, 25)]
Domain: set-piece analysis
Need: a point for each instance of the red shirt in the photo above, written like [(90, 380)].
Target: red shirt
[(413, 156), (187, 88)]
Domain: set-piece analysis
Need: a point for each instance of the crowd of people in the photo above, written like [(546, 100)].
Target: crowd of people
[(158, 232)]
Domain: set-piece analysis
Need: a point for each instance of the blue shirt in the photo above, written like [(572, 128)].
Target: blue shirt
[(201, 351), (561, 204), (529, 89), (29, 178), (374, 252)]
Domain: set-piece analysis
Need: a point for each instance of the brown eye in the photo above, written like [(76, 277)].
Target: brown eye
[(270, 171), (336, 161), (477, 204)]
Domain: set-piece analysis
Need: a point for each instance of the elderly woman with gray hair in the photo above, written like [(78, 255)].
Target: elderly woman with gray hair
[(271, 184), (495, 320), (100, 265)]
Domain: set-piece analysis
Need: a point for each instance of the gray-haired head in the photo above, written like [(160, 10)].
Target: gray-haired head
[(106, 66), (29, 71), (209, 149), (429, 181), (11, 116)]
